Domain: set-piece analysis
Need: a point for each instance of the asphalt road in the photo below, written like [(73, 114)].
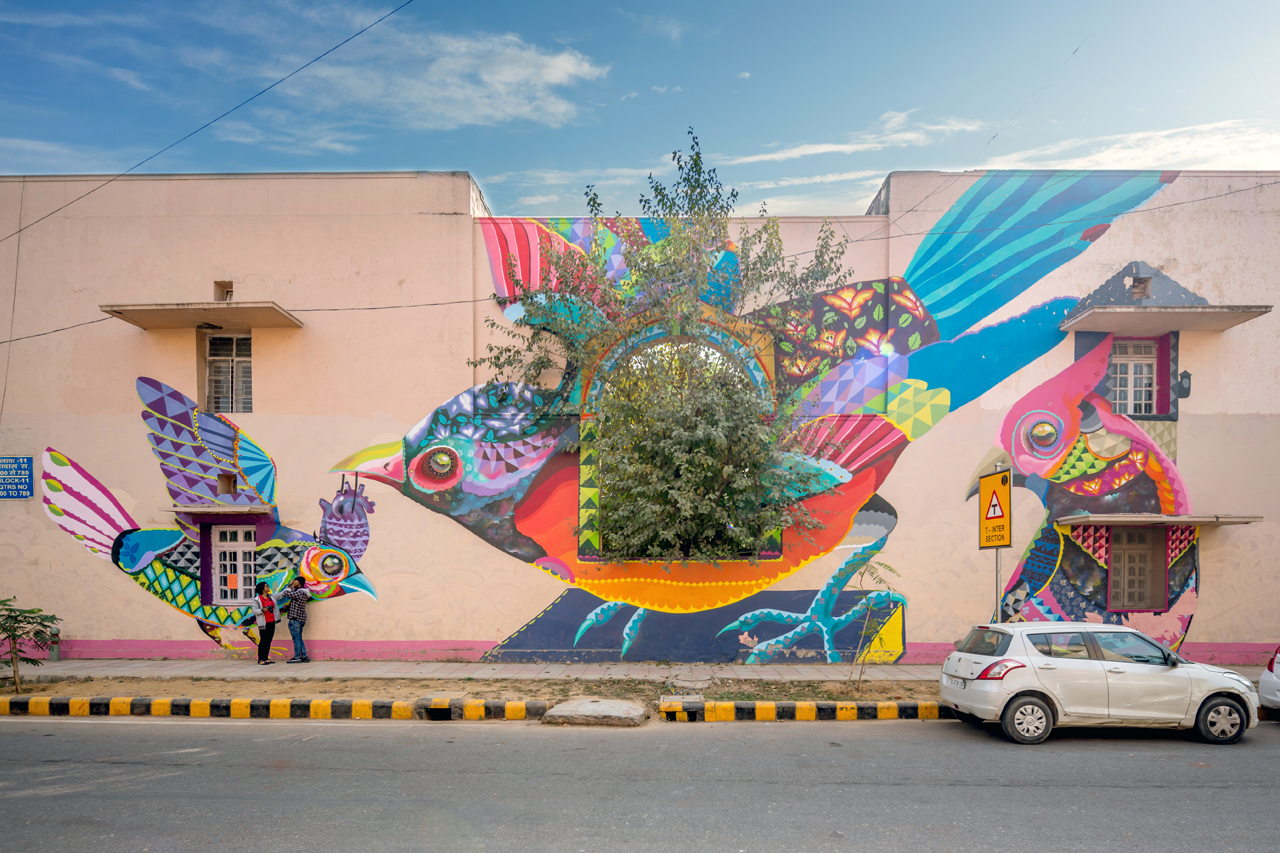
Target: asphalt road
[(120, 785)]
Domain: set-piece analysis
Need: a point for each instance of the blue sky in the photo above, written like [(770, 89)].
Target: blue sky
[(804, 106)]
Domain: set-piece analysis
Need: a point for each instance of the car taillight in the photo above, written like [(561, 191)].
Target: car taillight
[(999, 670), (1271, 664)]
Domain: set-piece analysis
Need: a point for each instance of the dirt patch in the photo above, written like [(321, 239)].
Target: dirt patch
[(557, 689)]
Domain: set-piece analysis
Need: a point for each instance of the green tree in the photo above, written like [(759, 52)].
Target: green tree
[(18, 626), (696, 463)]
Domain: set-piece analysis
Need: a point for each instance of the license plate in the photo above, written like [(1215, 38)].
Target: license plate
[(955, 682)]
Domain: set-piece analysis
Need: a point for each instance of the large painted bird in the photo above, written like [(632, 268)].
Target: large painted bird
[(1065, 444), (194, 448), (870, 368)]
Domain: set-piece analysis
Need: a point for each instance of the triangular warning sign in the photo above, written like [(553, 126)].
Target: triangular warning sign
[(994, 510)]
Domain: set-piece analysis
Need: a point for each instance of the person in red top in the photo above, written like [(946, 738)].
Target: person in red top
[(264, 610)]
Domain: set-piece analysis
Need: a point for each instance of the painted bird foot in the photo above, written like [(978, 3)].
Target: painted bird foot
[(607, 611), (818, 619)]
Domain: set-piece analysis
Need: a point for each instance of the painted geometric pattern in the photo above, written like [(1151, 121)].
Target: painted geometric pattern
[(1079, 462), (1177, 540), (1042, 558), (857, 387), (183, 593), (850, 441), (497, 459), (1095, 539), (1164, 434), (1107, 445), (914, 408), (277, 556), (588, 495)]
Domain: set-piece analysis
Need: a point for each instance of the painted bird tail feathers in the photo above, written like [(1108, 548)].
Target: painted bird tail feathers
[(82, 506)]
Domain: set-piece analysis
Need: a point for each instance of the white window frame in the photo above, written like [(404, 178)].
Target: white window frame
[(234, 563), (237, 396), (1132, 383)]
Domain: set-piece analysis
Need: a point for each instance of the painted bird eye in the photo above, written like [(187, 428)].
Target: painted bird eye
[(439, 463), (1043, 434), (331, 565)]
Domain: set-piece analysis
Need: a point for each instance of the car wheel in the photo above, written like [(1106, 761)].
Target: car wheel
[(1221, 720), (1026, 719)]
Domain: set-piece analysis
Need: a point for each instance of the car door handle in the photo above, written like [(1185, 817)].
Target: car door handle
[(1117, 671), (1047, 666)]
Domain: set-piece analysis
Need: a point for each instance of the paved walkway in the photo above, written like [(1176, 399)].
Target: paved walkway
[(234, 670), (237, 669)]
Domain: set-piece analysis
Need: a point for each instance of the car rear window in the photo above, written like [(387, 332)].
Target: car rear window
[(984, 641), (1060, 645)]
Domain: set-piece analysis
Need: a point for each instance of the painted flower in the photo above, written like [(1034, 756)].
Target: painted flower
[(798, 365), (910, 302), (831, 341), (876, 341), (849, 300)]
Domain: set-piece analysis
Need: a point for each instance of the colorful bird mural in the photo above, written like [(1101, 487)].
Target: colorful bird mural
[(868, 368), (209, 464), (1065, 444)]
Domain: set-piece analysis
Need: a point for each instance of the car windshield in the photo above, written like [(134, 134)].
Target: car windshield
[(984, 641)]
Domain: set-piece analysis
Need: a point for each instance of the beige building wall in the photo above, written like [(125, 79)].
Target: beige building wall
[(331, 247)]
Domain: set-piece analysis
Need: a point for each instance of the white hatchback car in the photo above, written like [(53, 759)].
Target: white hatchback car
[(1269, 684), (1032, 676)]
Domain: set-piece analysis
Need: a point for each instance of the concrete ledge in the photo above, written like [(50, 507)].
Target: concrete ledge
[(725, 712)]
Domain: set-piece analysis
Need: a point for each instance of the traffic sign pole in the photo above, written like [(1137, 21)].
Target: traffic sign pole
[(995, 522)]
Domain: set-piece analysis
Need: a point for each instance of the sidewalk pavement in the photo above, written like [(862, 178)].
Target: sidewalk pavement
[(234, 670), (237, 670)]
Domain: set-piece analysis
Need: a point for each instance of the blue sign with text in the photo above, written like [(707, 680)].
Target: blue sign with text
[(17, 478)]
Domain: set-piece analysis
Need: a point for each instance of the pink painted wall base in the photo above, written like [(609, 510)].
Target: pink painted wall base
[(453, 650)]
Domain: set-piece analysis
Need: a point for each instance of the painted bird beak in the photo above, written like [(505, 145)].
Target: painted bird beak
[(382, 462), (358, 583), (995, 459)]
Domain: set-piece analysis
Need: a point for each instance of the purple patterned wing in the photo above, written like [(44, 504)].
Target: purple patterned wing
[(196, 448)]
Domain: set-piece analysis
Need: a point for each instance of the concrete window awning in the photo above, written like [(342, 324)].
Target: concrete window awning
[(221, 315), (1138, 519), (229, 509), (1146, 321)]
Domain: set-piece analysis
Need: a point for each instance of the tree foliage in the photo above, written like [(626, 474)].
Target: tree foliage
[(19, 626), (697, 463)]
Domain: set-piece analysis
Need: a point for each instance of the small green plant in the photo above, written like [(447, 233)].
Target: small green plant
[(18, 626), (873, 572)]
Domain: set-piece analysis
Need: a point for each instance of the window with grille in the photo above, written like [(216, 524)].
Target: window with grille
[(1137, 570), (234, 555), (1132, 374), (230, 374)]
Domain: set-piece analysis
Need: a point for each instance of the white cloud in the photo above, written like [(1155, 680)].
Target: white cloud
[(279, 130), (66, 19), (743, 75), (656, 25), (535, 200), (630, 95), (1235, 144), (617, 176), (38, 157), (854, 202), (894, 130), (831, 178), (129, 78)]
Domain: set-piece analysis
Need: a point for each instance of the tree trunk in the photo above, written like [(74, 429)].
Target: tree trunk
[(13, 660)]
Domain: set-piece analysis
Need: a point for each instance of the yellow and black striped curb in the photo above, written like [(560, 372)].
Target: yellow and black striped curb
[(724, 712), (261, 709), (435, 709)]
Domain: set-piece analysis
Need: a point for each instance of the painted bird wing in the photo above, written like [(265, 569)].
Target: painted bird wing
[(195, 448)]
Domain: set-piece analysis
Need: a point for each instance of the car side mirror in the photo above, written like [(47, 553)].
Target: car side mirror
[(956, 644), (1170, 659)]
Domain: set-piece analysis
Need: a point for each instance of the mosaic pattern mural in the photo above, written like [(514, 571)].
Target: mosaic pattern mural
[(208, 464), (1066, 445), (869, 368)]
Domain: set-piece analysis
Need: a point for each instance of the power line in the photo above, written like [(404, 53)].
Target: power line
[(55, 331), (208, 123)]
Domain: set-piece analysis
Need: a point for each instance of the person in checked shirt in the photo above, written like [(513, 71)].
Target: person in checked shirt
[(298, 597)]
